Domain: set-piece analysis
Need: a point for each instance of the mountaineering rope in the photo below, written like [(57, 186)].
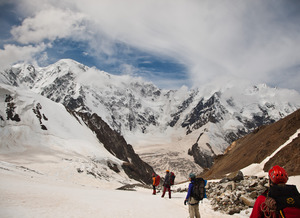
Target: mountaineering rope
[(269, 207)]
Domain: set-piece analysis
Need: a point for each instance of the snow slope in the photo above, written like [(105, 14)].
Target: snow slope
[(25, 193), (28, 192), (257, 168), (63, 172), (65, 138)]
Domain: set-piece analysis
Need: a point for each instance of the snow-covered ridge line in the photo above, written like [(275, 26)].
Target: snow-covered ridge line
[(257, 168), (32, 125), (209, 119), (295, 135)]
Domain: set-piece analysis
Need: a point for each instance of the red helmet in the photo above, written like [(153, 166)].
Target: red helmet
[(278, 175)]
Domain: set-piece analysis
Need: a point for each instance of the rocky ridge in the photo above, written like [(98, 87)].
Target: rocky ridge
[(134, 167)]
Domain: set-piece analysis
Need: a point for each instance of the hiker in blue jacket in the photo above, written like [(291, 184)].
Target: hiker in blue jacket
[(192, 202)]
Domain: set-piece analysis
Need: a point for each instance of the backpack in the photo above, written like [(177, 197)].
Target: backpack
[(198, 191), (172, 178), (287, 200), (157, 180)]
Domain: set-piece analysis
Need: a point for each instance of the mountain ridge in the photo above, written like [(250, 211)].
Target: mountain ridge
[(202, 122), (32, 126)]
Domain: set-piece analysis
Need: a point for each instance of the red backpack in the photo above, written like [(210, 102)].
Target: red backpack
[(157, 180), (172, 178)]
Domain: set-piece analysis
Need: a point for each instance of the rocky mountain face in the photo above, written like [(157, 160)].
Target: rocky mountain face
[(260, 144), (134, 167), (133, 107)]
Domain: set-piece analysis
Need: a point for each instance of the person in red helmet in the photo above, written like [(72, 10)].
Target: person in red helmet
[(280, 200)]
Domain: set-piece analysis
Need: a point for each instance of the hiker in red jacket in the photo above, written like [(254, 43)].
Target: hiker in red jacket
[(167, 184), (280, 200)]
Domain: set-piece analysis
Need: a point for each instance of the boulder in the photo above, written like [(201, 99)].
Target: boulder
[(233, 194), (236, 176)]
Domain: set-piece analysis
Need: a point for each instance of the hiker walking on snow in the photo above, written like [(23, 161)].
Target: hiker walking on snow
[(167, 184), (153, 183), (191, 198), (280, 200)]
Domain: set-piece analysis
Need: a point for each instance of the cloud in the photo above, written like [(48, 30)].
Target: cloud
[(12, 54), (246, 39), (49, 24), (127, 69), (252, 40)]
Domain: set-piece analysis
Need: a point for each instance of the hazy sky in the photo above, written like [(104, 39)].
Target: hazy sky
[(168, 42)]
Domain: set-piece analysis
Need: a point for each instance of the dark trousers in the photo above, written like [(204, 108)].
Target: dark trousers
[(166, 187), (154, 190)]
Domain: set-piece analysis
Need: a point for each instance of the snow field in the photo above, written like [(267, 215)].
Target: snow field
[(34, 199), (28, 193)]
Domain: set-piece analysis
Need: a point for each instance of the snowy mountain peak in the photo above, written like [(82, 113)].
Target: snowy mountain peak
[(201, 121)]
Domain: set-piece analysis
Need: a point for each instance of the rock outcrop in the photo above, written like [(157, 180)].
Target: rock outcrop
[(235, 193), (134, 167)]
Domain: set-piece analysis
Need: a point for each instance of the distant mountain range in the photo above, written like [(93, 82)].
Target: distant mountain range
[(182, 129)]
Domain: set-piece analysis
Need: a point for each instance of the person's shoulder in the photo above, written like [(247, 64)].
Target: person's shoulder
[(261, 198)]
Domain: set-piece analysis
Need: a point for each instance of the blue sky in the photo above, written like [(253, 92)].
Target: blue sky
[(171, 43)]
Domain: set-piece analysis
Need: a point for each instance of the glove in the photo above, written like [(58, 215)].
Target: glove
[(185, 202)]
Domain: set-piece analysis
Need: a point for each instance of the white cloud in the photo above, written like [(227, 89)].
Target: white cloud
[(49, 24), (247, 39), (222, 38), (128, 69), (12, 54)]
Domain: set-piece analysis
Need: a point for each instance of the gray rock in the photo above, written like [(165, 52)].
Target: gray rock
[(231, 195), (236, 176)]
